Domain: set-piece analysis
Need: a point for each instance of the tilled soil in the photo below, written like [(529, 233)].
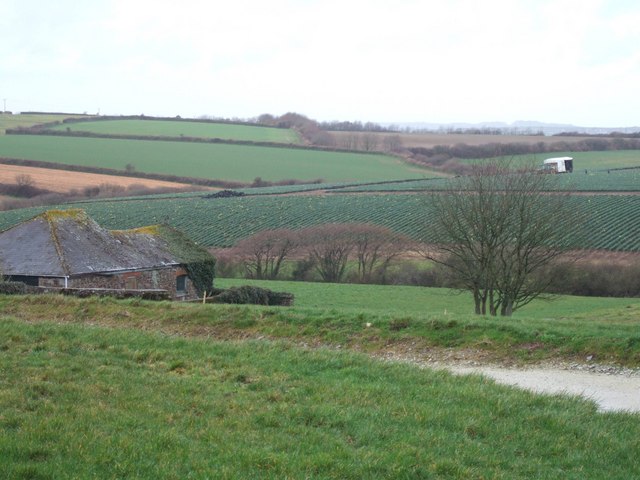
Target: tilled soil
[(63, 181)]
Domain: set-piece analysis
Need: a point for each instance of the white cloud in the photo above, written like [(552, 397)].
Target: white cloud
[(410, 60)]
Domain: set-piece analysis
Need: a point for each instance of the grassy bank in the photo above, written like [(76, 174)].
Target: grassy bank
[(84, 401), (607, 334)]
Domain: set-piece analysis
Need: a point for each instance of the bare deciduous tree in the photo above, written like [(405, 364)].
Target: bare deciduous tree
[(329, 247), (369, 141), (263, 253), (375, 247), (350, 141), (24, 180), (498, 227), (392, 143)]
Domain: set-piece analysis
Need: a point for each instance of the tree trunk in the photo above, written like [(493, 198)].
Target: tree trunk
[(476, 300), (507, 308)]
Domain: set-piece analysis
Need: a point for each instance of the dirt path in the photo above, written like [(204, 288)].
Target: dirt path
[(611, 388), (615, 391)]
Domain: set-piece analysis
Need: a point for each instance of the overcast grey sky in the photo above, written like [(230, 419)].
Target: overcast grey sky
[(563, 61)]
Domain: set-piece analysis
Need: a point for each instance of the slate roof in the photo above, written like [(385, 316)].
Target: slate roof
[(68, 242)]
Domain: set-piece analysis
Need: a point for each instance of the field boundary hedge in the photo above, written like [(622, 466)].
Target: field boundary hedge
[(121, 173), (172, 119), (491, 150)]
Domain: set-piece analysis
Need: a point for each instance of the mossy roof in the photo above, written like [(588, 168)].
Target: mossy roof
[(69, 242)]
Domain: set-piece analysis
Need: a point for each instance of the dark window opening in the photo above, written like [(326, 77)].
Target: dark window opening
[(181, 283), (27, 280)]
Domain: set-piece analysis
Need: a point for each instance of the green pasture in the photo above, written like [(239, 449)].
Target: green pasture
[(178, 128), (582, 161), (83, 401), (398, 299), (27, 120), (597, 160), (215, 161)]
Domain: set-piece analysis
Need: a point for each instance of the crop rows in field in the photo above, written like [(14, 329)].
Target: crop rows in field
[(309, 187), (281, 189), (612, 221), (602, 181), (615, 181)]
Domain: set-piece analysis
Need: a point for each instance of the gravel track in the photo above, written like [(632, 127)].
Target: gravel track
[(617, 390), (612, 388)]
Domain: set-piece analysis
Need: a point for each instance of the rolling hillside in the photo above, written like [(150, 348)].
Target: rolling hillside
[(29, 120), (613, 220), (222, 151), (178, 128)]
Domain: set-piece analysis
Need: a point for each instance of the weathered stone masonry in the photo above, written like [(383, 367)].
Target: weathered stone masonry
[(162, 279)]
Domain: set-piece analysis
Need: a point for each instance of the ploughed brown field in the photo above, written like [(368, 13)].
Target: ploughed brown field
[(63, 181)]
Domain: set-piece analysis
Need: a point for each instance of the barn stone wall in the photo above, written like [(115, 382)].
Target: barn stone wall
[(164, 279)]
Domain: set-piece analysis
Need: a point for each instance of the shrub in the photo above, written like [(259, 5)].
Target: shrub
[(592, 279), (398, 324), (304, 270), (255, 296), (16, 288)]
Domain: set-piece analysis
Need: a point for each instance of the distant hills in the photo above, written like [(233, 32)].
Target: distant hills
[(519, 127)]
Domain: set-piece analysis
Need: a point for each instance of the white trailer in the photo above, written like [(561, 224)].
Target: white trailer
[(558, 165)]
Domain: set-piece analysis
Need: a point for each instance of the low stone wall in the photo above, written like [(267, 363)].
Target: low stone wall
[(106, 292)]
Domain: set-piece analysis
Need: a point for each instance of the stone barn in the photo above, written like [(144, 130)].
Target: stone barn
[(67, 249)]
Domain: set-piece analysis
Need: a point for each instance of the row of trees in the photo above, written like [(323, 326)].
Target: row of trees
[(494, 149), (309, 129), (365, 137), (327, 249), (370, 142)]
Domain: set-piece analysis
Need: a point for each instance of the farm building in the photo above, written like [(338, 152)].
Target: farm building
[(67, 249), (558, 165)]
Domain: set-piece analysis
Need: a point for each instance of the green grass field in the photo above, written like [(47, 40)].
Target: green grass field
[(179, 128), (218, 161), (560, 325), (27, 120), (96, 403), (424, 301), (583, 160), (99, 388), (598, 160)]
